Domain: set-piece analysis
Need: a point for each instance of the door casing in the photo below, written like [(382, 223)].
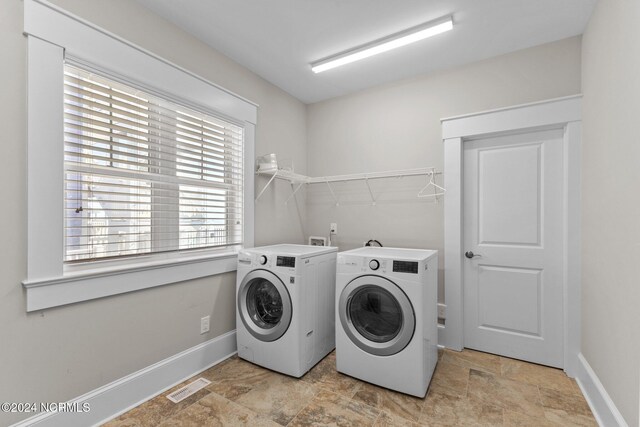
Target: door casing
[(561, 113)]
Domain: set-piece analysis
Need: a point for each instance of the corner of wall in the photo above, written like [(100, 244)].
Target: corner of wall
[(601, 404)]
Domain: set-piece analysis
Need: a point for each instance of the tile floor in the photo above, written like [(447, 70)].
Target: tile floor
[(469, 388)]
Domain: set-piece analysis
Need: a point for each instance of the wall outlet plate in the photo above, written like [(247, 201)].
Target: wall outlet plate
[(442, 309), (333, 228), (204, 324), (317, 241)]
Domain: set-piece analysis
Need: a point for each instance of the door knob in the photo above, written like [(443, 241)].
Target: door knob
[(471, 255)]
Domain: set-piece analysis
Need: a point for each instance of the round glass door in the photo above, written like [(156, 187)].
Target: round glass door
[(264, 305), (377, 315)]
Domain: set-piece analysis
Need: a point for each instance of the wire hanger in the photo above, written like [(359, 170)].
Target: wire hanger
[(437, 190)]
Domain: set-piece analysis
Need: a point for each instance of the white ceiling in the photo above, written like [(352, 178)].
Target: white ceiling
[(277, 39)]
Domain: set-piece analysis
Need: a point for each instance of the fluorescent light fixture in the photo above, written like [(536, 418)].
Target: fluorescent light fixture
[(393, 41)]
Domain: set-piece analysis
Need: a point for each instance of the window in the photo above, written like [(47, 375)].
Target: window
[(145, 175), (139, 172)]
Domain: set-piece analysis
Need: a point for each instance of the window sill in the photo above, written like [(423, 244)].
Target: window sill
[(86, 285)]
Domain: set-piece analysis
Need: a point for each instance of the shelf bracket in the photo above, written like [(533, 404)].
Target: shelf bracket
[(267, 185), (373, 200), (293, 193), (335, 199)]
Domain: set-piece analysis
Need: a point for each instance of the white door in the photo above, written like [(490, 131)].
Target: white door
[(513, 243)]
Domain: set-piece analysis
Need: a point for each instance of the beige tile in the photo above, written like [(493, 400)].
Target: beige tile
[(157, 409), (325, 366), (562, 418), (576, 387), (566, 408), (130, 422), (517, 419), (386, 419), (571, 403), (509, 394), (215, 410), (539, 375), (399, 404), (235, 377), (279, 398), (331, 409), (463, 392), (340, 383), (450, 376), (327, 377), (442, 410), (437, 388), (474, 360), (324, 375), (552, 418)]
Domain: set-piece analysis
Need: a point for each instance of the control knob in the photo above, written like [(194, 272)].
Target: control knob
[(262, 260), (374, 264)]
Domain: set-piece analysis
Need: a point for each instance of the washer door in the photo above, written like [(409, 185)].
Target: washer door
[(377, 315), (264, 305)]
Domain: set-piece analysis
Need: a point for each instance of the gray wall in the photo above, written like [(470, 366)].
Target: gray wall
[(58, 354), (611, 201), (397, 126)]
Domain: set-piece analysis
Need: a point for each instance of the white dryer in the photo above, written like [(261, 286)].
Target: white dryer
[(285, 294), (387, 317)]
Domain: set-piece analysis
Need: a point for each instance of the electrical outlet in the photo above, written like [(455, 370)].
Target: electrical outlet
[(441, 311), (204, 324), (333, 228)]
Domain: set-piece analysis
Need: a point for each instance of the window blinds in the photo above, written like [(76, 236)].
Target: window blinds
[(145, 175)]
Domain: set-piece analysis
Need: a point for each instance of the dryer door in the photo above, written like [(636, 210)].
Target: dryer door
[(376, 315), (264, 305)]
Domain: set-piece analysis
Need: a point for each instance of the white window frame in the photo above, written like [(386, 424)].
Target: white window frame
[(52, 35)]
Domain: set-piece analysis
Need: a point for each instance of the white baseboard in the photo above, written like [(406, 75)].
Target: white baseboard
[(113, 399), (599, 400)]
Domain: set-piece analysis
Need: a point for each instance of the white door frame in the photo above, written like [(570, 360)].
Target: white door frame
[(561, 113)]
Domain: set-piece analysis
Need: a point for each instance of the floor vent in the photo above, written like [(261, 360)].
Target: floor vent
[(186, 391)]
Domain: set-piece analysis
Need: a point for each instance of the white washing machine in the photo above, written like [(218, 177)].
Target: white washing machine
[(285, 317), (387, 317)]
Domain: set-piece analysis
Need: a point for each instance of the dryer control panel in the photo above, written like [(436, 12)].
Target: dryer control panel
[(286, 261)]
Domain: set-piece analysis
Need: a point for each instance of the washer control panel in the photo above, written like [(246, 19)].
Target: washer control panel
[(405, 267)]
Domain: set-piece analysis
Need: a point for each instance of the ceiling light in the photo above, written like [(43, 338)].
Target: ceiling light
[(400, 39)]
